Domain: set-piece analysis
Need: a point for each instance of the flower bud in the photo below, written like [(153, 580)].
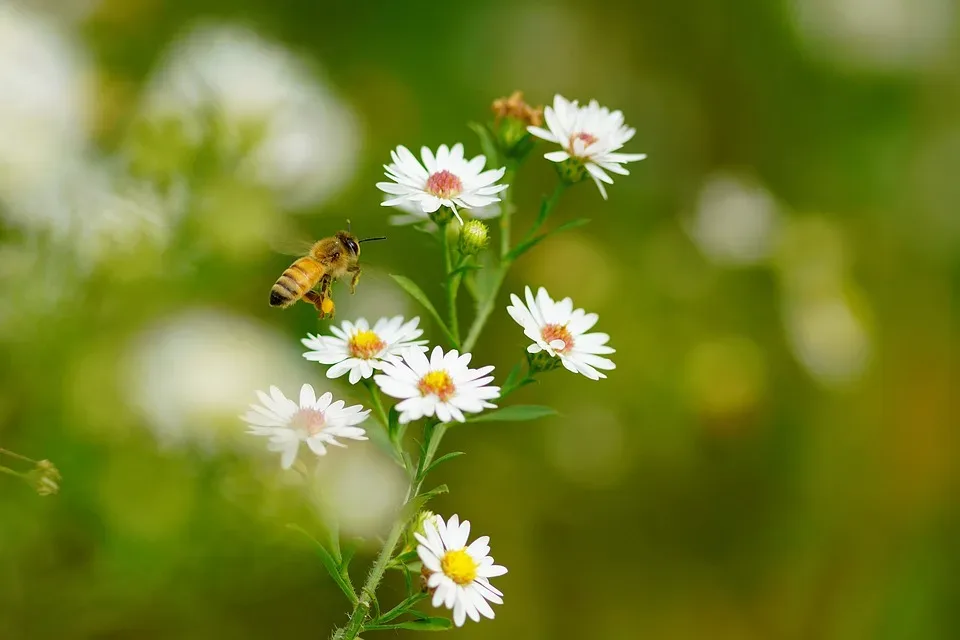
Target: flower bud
[(473, 237), (541, 362), (45, 478)]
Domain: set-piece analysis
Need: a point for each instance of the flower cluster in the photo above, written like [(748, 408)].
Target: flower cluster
[(435, 386)]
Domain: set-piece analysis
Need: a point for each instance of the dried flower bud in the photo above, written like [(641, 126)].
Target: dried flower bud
[(513, 116), (473, 237), (45, 478)]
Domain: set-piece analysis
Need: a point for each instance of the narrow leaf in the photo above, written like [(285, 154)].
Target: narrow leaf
[(487, 143), (401, 608), (516, 413), (465, 268), (414, 506), (526, 245), (423, 624), (339, 577), (514, 375), (442, 459), (417, 294)]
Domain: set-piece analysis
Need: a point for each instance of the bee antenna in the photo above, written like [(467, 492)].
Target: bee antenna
[(349, 226), (372, 239)]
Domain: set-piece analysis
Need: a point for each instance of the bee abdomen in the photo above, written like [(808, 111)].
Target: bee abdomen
[(299, 278)]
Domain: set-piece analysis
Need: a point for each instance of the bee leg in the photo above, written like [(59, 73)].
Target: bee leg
[(355, 270)]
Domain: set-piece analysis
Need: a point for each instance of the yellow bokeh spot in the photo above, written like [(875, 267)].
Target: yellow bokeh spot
[(459, 566)]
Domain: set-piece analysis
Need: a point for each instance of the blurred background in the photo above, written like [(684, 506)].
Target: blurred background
[(776, 455)]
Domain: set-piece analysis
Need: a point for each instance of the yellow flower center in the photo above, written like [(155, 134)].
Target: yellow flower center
[(310, 420), (444, 184), (365, 344), (459, 566), (553, 332), (438, 383)]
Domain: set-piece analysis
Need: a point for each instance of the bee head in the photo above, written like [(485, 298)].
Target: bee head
[(350, 242)]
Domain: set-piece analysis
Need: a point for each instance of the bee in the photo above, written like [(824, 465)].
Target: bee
[(327, 260)]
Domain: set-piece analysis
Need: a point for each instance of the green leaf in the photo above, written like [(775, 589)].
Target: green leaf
[(441, 459), (404, 558), (465, 268), (339, 577), (417, 294), (516, 413), (530, 243), (401, 608), (514, 375), (487, 144), (413, 507), (423, 624)]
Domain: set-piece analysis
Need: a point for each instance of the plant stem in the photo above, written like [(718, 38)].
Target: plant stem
[(505, 210), (450, 286), (11, 472), (359, 615), (16, 456), (378, 405)]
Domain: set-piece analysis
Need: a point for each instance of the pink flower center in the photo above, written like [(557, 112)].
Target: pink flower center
[(444, 184), (553, 332), (586, 138), (437, 383), (310, 420)]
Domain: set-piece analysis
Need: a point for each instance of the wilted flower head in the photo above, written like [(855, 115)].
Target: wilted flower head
[(589, 136), (514, 107), (45, 478)]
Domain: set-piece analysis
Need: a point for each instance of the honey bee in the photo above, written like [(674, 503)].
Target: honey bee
[(327, 260)]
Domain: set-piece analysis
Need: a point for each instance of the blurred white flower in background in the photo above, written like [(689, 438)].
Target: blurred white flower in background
[(316, 421), (736, 220), (45, 105), (828, 338), (305, 140), (877, 34), (361, 488), (190, 375)]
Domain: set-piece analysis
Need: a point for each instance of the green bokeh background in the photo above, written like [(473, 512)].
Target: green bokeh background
[(715, 486)]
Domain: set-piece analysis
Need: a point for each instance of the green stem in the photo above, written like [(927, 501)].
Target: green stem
[(360, 612), (377, 403), (450, 286), (486, 308), (505, 210), (16, 456), (11, 472), (362, 609)]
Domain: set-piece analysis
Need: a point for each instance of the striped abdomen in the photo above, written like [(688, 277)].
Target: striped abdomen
[(299, 278)]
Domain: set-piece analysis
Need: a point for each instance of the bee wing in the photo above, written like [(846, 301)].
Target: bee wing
[(290, 242)]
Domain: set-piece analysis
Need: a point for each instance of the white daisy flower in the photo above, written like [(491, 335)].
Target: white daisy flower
[(315, 421), (441, 386), (449, 180), (560, 330), (458, 575), (589, 134), (413, 214), (359, 349)]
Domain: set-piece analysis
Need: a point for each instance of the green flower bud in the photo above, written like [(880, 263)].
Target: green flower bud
[(513, 116), (473, 237)]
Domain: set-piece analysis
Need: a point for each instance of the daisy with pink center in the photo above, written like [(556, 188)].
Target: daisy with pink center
[(591, 136), (561, 331), (316, 421), (445, 179)]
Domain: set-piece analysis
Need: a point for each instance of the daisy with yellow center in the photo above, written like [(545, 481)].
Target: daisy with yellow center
[(458, 575), (442, 385), (444, 179), (559, 330), (317, 421), (359, 349), (589, 136)]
